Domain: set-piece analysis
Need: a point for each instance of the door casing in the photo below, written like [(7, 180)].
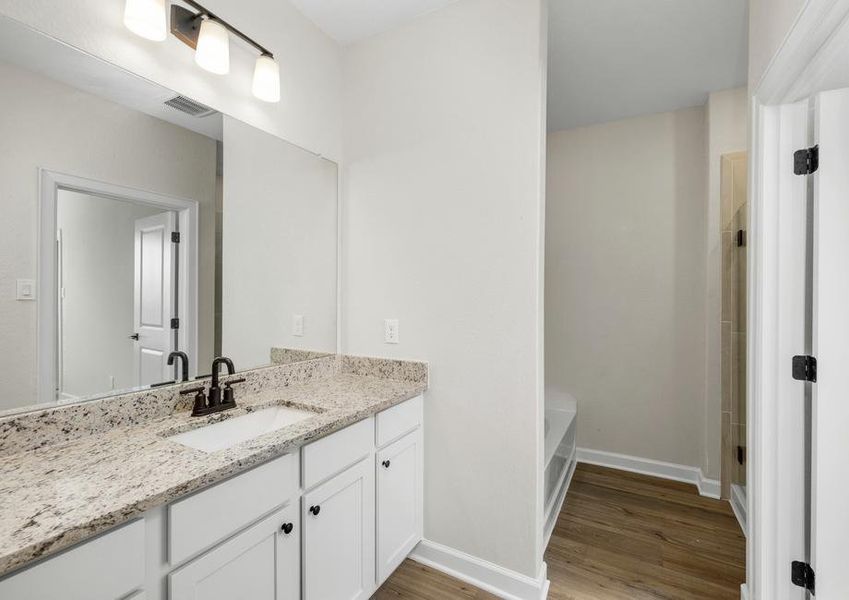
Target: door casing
[(50, 182)]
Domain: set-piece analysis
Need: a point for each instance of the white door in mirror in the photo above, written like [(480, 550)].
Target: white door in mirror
[(153, 297)]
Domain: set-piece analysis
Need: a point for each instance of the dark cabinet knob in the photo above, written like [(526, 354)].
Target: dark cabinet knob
[(134, 336), (315, 510), (287, 528), (386, 464)]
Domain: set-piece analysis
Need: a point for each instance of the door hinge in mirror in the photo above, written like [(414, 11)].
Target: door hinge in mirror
[(175, 237), (175, 323)]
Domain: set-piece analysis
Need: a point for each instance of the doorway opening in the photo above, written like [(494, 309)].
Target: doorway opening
[(734, 224), (118, 270)]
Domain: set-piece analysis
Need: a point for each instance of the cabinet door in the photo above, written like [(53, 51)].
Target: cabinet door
[(106, 568), (338, 541), (399, 502), (260, 563)]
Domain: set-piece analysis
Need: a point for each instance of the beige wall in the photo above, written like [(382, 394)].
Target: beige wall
[(727, 131), (769, 23), (50, 125), (625, 283), (444, 154)]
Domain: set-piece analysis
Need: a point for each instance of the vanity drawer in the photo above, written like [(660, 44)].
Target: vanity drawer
[(394, 422), (336, 452), (106, 568), (204, 519)]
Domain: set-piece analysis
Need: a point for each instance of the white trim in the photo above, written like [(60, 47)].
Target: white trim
[(744, 592), (738, 505), (49, 183), (709, 488), (482, 574), (798, 71)]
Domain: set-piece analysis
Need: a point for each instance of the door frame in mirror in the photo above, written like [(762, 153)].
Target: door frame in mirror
[(50, 183)]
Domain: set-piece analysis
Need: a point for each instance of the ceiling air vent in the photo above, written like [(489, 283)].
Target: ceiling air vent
[(189, 106)]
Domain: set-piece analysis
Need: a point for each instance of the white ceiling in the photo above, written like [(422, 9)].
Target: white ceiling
[(612, 59), (349, 21)]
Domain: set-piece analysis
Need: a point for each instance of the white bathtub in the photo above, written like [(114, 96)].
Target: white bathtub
[(560, 452)]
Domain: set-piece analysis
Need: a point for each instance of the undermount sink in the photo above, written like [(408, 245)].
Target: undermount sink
[(236, 430)]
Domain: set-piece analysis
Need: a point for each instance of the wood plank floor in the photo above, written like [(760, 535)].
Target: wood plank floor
[(620, 536)]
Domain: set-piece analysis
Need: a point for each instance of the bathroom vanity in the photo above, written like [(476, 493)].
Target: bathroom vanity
[(324, 507), (155, 236)]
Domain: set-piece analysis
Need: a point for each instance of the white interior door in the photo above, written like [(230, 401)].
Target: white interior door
[(154, 300), (830, 411)]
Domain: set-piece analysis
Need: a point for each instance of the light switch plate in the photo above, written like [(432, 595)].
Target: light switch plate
[(298, 325), (390, 331), (25, 289)]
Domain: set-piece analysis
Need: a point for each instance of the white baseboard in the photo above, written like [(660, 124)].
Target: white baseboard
[(656, 468), (738, 505), (487, 576), (744, 592)]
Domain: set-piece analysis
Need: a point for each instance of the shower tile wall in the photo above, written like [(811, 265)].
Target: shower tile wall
[(733, 212)]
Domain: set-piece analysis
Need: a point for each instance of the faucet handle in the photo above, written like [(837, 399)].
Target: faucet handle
[(229, 397), (199, 407)]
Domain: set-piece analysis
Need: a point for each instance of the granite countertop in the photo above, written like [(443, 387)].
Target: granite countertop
[(56, 496)]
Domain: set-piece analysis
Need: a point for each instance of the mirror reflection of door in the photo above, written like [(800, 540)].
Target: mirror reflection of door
[(154, 284), (117, 281)]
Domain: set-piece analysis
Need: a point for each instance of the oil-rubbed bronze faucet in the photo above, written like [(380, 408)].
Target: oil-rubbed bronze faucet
[(215, 403)]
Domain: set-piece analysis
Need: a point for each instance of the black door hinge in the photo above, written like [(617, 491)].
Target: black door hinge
[(741, 238), (802, 574), (741, 455), (806, 161), (175, 237), (175, 323), (805, 368)]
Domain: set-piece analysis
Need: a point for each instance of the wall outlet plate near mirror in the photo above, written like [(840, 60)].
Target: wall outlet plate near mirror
[(149, 224)]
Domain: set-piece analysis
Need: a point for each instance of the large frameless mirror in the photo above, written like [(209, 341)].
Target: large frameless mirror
[(144, 234)]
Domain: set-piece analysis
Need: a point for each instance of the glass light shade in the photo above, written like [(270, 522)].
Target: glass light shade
[(213, 49), (146, 18), (267, 79)]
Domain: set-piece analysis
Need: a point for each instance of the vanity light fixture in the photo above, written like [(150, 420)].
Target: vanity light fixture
[(208, 34), (266, 84), (146, 18), (213, 47)]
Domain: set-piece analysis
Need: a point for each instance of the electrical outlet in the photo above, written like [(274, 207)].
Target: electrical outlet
[(298, 325), (25, 289), (390, 331)]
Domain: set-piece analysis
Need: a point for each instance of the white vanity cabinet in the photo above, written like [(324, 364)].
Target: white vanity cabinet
[(399, 502), (399, 477), (329, 522), (337, 511), (338, 536), (261, 563), (109, 567)]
